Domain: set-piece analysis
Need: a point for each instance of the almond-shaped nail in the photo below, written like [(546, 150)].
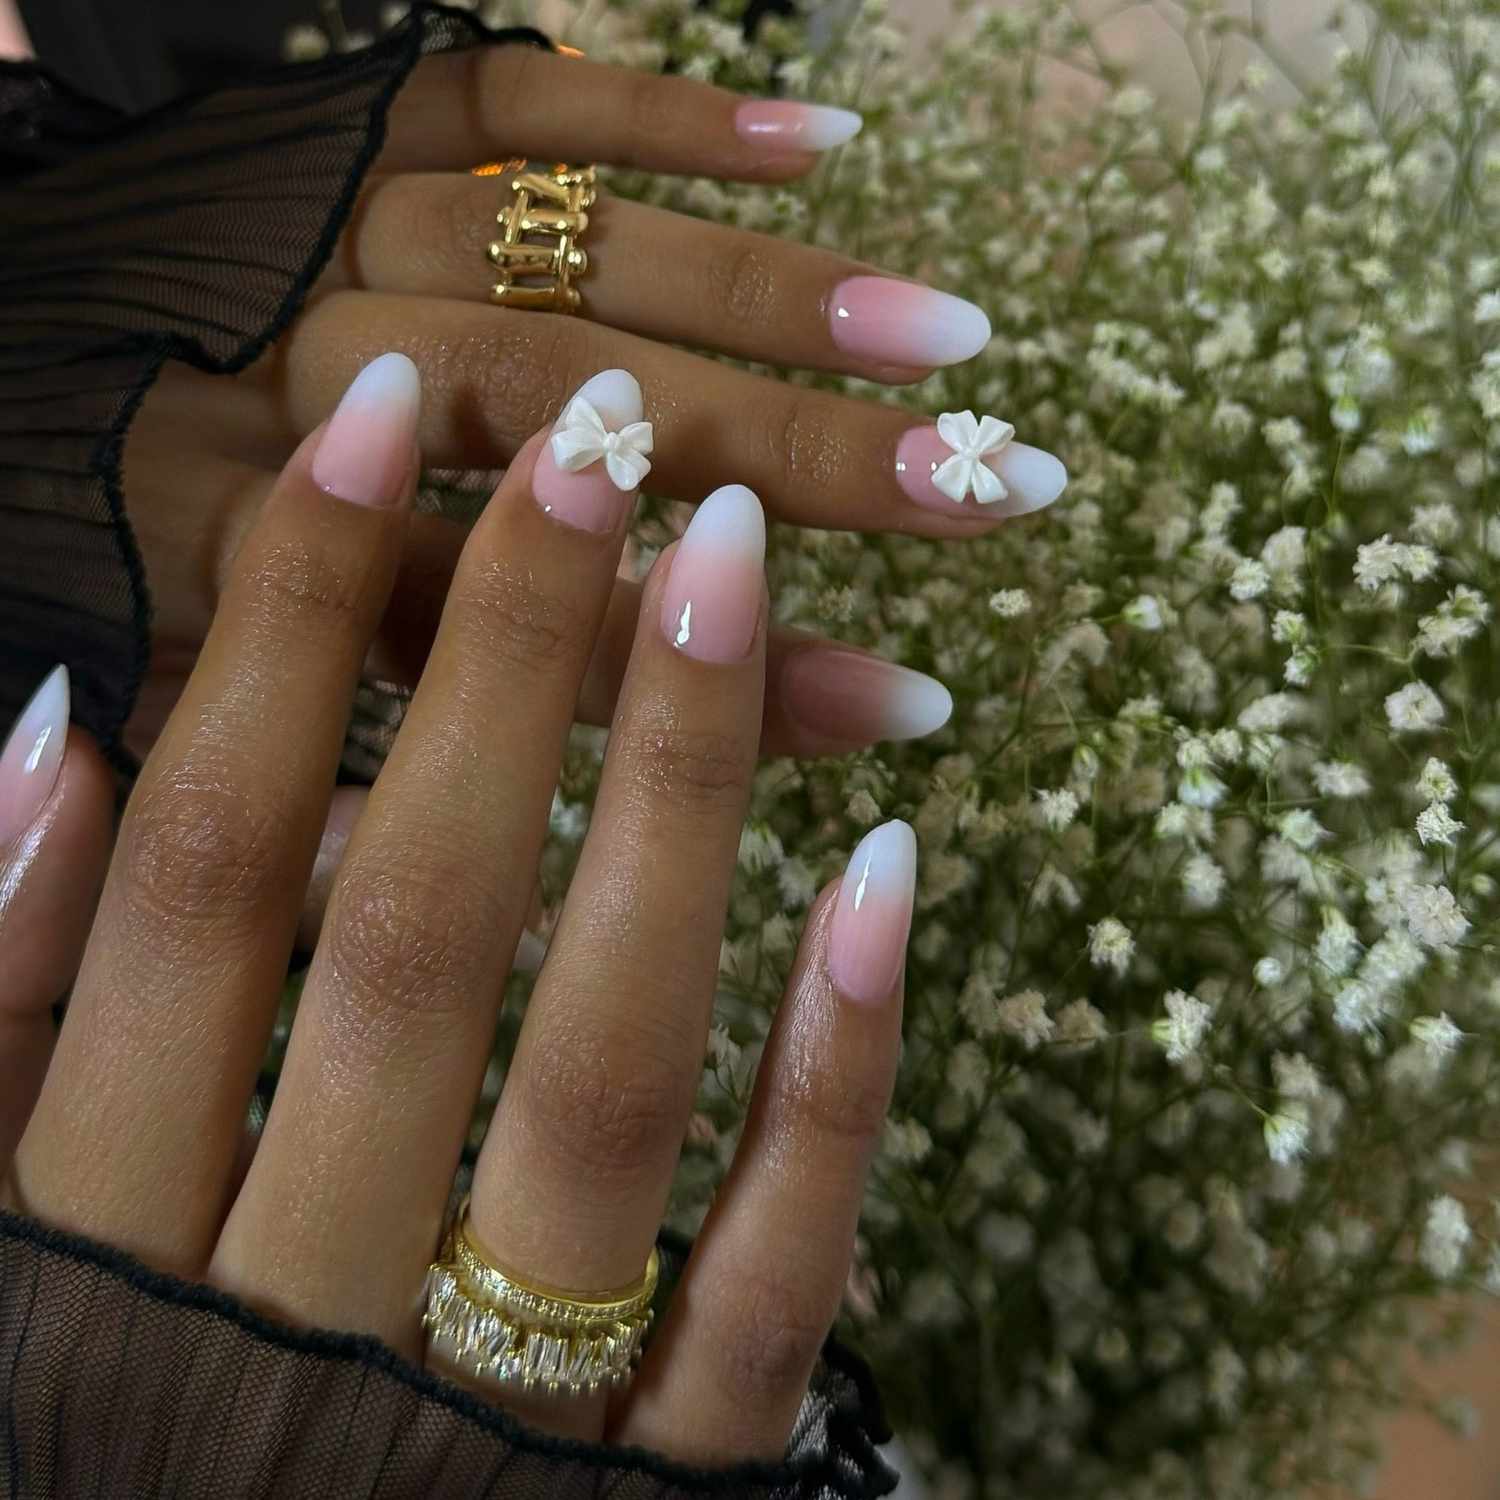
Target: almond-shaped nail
[(592, 464), (872, 914), (32, 756), (365, 451), (851, 698), (889, 322), (711, 604), (968, 465), (783, 125)]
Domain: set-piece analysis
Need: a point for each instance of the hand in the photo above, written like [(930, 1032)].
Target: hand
[(409, 273), (137, 1136)]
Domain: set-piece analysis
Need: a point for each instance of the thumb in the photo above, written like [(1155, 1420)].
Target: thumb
[(57, 799)]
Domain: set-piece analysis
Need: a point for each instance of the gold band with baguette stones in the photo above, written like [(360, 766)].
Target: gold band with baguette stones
[(530, 1334)]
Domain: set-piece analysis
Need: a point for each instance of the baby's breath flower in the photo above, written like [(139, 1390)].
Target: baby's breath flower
[(1111, 945), (1340, 778), (1434, 916), (1056, 809), (1080, 1024), (1286, 1134), (1010, 604), (1436, 825), (1250, 579), (1024, 1016), (1437, 1036), (1202, 881), (1436, 783), (1181, 1031), (1414, 708), (1144, 612), (1445, 1237), (1269, 972)]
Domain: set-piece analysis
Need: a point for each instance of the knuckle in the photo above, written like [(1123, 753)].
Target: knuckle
[(605, 1106), (651, 114), (295, 588), (742, 286), (810, 445), (814, 1104), (198, 850), (524, 375), (413, 938), (696, 773), (774, 1330), (513, 622)]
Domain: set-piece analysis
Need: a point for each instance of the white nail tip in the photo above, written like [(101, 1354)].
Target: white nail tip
[(729, 518), (918, 705), (883, 863), (1034, 476), (827, 127), (392, 378)]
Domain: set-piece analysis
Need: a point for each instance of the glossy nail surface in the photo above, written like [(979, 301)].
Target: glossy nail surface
[(32, 756), (711, 603), (784, 125), (365, 452), (1032, 476), (891, 322), (872, 914), (851, 698), (589, 498)]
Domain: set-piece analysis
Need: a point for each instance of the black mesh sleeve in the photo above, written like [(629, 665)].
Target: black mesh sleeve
[(190, 231), (118, 1382)]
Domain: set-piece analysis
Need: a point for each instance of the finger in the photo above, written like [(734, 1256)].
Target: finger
[(397, 1016), (493, 374), (459, 107), (591, 1119), (56, 816), (745, 294), (727, 1372), (139, 1120)]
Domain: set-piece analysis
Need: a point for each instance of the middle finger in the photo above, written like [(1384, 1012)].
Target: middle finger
[(492, 375), (670, 277)]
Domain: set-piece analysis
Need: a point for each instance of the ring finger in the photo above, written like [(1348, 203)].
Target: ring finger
[(670, 277)]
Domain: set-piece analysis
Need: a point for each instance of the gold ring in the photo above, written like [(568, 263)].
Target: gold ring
[(527, 1333), (537, 255)]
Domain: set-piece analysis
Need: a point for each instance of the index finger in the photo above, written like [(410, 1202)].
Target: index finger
[(522, 101)]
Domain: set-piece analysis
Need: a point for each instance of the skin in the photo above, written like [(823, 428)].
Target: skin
[(135, 1134), (409, 275)]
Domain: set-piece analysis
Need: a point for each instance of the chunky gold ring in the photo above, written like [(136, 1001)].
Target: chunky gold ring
[(527, 1333), (537, 255)]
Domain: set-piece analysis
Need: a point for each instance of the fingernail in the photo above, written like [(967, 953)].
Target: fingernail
[(900, 323), (943, 468), (32, 756), (851, 698), (365, 453), (711, 604), (787, 126), (591, 465), (872, 914)]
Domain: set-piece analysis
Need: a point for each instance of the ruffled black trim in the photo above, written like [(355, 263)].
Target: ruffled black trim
[(88, 317), (834, 1453)]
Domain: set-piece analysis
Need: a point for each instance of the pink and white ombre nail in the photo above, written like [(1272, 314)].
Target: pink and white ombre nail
[(711, 604), (365, 451), (899, 323), (783, 125), (590, 497), (848, 698), (872, 914), (1032, 477), (32, 756)]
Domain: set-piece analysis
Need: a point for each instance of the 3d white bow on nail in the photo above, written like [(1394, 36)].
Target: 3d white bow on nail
[(971, 440), (582, 438)]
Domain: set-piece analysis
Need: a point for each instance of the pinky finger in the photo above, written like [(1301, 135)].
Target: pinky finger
[(56, 817), (727, 1373)]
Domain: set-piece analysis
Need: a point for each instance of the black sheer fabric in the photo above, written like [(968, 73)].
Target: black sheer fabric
[(192, 231), (121, 1383)]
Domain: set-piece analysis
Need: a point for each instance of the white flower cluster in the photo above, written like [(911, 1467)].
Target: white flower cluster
[(1199, 1015)]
